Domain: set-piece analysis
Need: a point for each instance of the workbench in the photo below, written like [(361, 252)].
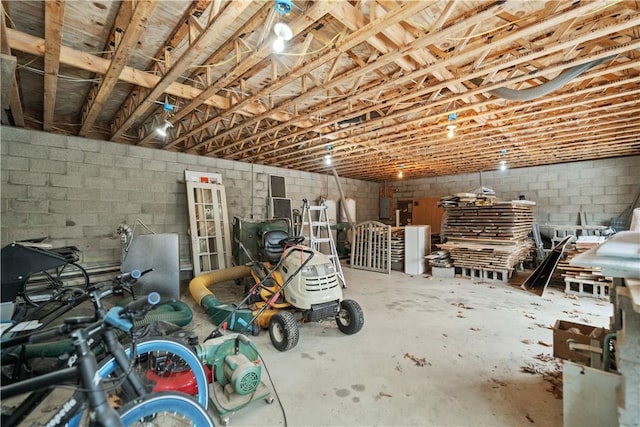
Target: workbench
[(619, 257)]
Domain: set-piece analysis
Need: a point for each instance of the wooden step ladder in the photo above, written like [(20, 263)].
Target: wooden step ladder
[(318, 232)]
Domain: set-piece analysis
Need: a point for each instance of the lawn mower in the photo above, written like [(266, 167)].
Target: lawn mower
[(288, 283)]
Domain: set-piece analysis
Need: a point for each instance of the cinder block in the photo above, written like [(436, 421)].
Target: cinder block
[(99, 159), (114, 148), (165, 156), (443, 272), (46, 219), (83, 144), (65, 155), (10, 191), (18, 149), (13, 163), (117, 196), (97, 183), (81, 219), (40, 165), (28, 178), (16, 134), (592, 190), (81, 169), (154, 165), (28, 205)]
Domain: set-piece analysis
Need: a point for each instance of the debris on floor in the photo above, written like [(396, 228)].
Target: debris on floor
[(462, 305), (418, 361), (381, 395), (498, 383), (551, 372)]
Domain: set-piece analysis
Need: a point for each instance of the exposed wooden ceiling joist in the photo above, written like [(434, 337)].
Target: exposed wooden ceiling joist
[(375, 80)]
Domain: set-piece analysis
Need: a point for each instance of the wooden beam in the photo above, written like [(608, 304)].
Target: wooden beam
[(206, 37), (317, 11), (141, 14), (15, 103), (53, 21), (85, 61)]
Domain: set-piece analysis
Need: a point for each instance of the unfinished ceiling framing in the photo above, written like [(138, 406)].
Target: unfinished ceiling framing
[(375, 83)]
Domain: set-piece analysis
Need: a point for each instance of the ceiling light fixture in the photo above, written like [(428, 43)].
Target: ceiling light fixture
[(327, 159), (503, 165), (282, 30), (451, 127), (400, 171), (162, 130)]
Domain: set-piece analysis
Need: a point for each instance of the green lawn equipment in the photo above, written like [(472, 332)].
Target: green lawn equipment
[(288, 283)]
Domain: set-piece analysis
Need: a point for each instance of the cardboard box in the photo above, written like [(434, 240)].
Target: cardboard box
[(565, 332)]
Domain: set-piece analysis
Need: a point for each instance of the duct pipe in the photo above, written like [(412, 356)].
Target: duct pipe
[(545, 88)]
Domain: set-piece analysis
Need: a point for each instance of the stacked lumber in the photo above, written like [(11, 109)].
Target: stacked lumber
[(583, 244), (486, 233), (397, 245)]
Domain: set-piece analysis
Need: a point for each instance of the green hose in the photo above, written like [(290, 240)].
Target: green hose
[(606, 351), (173, 311)]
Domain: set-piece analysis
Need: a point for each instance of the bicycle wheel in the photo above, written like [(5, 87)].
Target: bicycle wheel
[(167, 409), (67, 280), (163, 364)]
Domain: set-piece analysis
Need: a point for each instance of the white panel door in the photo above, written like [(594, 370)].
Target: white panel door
[(209, 227)]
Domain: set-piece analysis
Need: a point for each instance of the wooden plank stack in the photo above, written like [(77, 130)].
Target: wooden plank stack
[(485, 233), (584, 281)]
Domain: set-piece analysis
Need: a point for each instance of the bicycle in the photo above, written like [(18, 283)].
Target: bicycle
[(129, 384), (38, 276)]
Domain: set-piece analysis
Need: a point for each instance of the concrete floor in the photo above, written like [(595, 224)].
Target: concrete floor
[(474, 338)]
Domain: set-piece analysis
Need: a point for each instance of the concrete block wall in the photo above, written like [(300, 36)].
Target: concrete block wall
[(77, 191), (602, 189)]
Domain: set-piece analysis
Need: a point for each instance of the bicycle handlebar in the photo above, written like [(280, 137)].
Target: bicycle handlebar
[(142, 303), (117, 317)]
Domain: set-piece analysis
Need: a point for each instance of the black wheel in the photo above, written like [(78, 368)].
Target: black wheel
[(283, 331), (350, 318), (67, 281), (255, 329)]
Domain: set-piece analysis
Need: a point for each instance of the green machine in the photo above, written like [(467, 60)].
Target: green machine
[(342, 241), (237, 373), (249, 234)]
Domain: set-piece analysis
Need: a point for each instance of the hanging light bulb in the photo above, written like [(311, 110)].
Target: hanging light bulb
[(283, 31), (400, 171), (451, 127), (327, 159), (278, 45), (503, 165), (162, 130), (451, 130)]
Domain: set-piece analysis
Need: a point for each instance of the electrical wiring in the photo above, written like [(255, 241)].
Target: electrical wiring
[(61, 76), (329, 43), (508, 24)]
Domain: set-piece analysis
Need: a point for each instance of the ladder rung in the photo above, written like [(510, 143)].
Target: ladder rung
[(321, 240), (316, 208), (319, 223)]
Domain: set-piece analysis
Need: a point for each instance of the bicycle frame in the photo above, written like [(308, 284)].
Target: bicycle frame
[(86, 369)]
